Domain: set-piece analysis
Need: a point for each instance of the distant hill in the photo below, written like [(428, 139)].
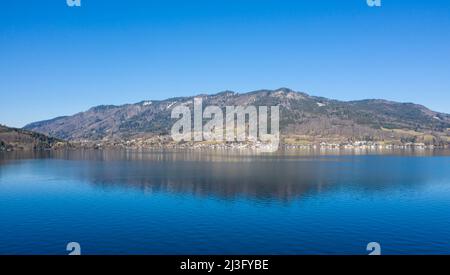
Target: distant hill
[(14, 139), (304, 119)]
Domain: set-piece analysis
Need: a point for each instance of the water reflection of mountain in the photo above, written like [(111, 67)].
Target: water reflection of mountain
[(231, 175)]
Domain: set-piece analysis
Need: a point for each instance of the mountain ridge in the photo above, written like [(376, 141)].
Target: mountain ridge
[(305, 118), (19, 139)]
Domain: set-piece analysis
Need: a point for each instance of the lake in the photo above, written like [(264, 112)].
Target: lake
[(130, 202)]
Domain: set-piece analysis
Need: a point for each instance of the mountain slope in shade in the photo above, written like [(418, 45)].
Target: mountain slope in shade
[(304, 118), (13, 139)]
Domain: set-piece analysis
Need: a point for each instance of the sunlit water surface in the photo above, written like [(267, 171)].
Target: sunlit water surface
[(122, 202)]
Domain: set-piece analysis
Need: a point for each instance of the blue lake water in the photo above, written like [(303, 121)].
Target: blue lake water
[(207, 203)]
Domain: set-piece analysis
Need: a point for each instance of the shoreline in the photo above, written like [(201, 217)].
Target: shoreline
[(243, 150)]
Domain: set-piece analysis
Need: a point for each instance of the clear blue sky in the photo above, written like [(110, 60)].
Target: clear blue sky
[(56, 60)]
